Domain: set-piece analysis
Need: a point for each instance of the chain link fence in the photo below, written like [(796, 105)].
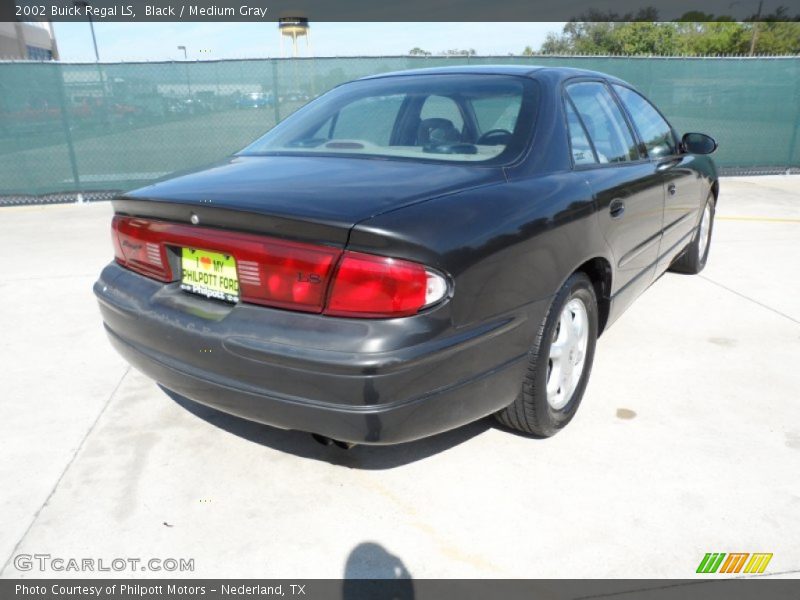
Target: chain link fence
[(97, 128)]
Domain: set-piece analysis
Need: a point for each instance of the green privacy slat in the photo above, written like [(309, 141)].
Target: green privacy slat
[(86, 127)]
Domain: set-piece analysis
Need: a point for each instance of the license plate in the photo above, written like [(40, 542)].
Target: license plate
[(209, 274)]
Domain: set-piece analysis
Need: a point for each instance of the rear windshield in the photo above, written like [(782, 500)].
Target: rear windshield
[(457, 118)]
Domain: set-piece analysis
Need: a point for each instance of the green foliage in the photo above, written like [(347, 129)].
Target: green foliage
[(712, 38), (777, 37), (695, 34), (452, 52), (459, 52)]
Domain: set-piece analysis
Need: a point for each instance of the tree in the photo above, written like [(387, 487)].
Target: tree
[(713, 38), (687, 36), (776, 34), (613, 38), (457, 52), (417, 51)]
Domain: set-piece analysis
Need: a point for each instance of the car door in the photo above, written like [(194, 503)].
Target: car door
[(628, 189), (682, 182)]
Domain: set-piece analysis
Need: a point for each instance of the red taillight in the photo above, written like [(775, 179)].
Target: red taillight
[(286, 274), (376, 286), (271, 272), (137, 245)]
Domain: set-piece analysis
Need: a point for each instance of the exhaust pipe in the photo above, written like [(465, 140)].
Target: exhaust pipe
[(326, 441)]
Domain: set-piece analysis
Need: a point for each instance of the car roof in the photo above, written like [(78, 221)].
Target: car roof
[(518, 70)]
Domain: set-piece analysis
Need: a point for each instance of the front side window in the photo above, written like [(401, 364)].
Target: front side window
[(369, 119), (604, 121), (655, 132), (445, 109), (497, 112), (425, 117)]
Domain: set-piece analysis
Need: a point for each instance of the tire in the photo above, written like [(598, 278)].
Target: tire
[(693, 259), (535, 411)]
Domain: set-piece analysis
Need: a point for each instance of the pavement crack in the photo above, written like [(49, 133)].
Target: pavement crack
[(753, 300), (64, 471)]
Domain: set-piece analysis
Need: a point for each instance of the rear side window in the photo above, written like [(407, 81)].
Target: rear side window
[(604, 121), (653, 129), (582, 153)]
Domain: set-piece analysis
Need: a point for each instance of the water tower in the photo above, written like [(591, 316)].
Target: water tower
[(295, 27)]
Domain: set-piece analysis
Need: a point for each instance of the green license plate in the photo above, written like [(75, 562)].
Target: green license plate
[(209, 274)]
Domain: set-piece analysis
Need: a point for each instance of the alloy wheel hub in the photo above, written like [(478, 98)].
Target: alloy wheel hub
[(705, 228), (567, 354)]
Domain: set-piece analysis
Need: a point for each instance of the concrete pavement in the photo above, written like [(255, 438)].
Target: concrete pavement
[(687, 442)]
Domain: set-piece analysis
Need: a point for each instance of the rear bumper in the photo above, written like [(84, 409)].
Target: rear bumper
[(360, 381)]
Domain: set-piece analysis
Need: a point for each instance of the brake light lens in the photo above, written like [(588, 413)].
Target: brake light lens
[(286, 274), (137, 246), (272, 272), (376, 286)]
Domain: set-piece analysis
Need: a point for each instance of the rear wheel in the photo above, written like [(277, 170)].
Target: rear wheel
[(693, 260), (560, 362)]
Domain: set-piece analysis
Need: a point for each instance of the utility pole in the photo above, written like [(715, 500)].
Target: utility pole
[(186, 70), (84, 4), (100, 73)]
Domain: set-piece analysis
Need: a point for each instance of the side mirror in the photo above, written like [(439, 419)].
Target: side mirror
[(698, 143)]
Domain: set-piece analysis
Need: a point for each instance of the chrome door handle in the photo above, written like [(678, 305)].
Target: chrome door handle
[(616, 208), (667, 163)]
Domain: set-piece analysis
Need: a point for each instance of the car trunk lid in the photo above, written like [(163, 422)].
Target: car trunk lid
[(303, 197)]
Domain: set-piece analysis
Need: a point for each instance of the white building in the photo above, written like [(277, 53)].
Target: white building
[(33, 40)]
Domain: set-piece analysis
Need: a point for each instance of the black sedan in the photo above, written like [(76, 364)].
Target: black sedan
[(411, 252)]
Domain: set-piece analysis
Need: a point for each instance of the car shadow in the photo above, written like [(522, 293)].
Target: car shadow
[(303, 445)]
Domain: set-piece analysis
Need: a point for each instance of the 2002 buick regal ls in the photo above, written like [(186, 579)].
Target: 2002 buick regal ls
[(411, 252)]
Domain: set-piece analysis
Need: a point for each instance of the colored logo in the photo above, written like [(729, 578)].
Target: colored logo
[(734, 562)]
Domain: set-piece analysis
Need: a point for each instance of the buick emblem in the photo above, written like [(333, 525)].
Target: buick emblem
[(194, 219)]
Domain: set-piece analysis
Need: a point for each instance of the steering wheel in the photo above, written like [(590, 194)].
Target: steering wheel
[(495, 137)]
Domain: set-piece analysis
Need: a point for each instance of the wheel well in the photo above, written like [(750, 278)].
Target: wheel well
[(598, 270)]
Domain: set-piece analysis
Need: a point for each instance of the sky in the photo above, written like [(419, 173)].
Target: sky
[(204, 41)]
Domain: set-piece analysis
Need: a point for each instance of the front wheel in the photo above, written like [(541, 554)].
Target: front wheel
[(693, 259), (559, 363)]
